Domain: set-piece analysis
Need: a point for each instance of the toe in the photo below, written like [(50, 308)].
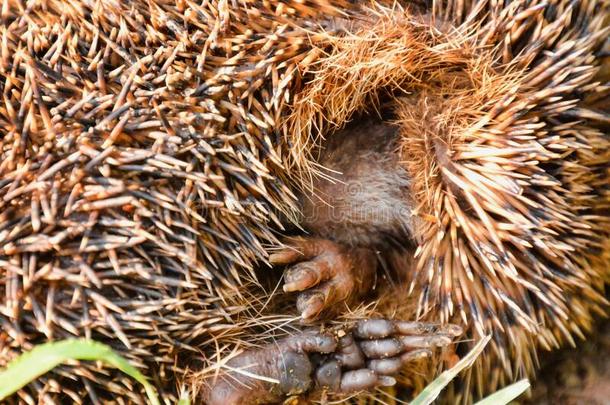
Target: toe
[(380, 328), (358, 380), (285, 256), (385, 366), (425, 341), (381, 348), (392, 365), (349, 354), (300, 248), (374, 328), (313, 301), (312, 342), (302, 276), (310, 304), (420, 328)]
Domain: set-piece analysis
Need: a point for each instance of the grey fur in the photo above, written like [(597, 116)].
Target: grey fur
[(368, 203)]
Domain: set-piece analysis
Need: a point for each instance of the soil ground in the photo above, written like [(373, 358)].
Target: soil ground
[(576, 376)]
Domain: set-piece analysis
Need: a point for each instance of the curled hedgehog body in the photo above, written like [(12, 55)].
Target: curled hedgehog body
[(148, 150)]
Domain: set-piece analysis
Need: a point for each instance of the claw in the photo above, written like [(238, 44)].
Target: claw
[(415, 355), (386, 381), (310, 305), (301, 277)]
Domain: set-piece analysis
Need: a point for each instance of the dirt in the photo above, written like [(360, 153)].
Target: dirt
[(576, 376)]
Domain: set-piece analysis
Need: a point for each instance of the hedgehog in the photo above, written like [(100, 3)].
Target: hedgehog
[(152, 152)]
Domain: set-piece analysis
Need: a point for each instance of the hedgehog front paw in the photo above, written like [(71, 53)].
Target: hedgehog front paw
[(324, 273)]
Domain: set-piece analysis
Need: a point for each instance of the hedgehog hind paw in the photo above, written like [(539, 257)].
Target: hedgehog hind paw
[(340, 362), (374, 351)]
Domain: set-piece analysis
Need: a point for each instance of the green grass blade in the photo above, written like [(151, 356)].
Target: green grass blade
[(45, 357), (507, 394), (184, 401), (432, 390)]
